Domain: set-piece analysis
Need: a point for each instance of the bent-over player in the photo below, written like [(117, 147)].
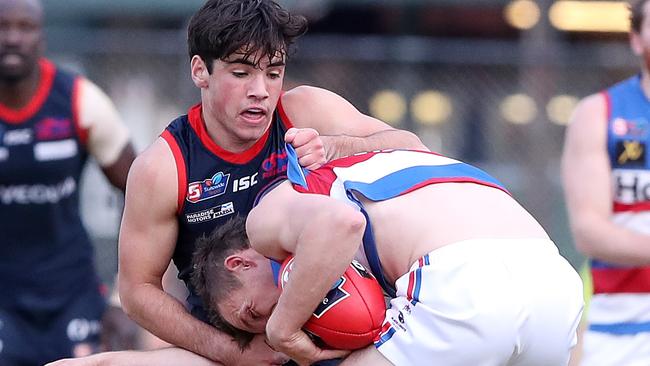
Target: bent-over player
[(474, 278)]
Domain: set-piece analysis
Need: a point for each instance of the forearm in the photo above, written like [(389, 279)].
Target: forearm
[(167, 318), (337, 146), (319, 262), (606, 241)]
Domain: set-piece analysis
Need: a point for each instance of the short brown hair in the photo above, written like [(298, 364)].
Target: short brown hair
[(212, 280)]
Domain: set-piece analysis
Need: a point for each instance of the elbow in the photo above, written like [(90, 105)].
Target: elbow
[(127, 293), (351, 224), (413, 141), (582, 246), (583, 238)]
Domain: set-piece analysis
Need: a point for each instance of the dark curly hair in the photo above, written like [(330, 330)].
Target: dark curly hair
[(211, 280), (636, 14), (223, 27)]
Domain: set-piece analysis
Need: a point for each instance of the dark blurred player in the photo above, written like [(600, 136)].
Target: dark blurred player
[(50, 122)]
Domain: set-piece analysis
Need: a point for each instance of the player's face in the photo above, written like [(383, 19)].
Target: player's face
[(21, 40), (250, 307), (242, 95)]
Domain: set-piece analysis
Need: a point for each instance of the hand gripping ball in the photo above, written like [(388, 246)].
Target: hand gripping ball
[(352, 312)]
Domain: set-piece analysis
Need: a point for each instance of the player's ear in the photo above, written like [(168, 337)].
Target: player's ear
[(234, 263), (199, 71), (237, 262)]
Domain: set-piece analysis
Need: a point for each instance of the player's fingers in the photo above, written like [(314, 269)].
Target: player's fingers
[(311, 161), (290, 135), (303, 136)]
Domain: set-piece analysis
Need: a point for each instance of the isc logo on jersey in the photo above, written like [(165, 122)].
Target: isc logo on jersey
[(208, 188)]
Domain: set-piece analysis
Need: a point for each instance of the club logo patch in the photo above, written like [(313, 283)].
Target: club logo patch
[(53, 128), (208, 188), (630, 153), (632, 128)]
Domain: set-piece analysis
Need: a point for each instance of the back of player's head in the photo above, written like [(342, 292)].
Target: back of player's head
[(210, 277), (637, 14), (250, 27)]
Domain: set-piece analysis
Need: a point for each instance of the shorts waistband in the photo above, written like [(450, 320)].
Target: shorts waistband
[(487, 247)]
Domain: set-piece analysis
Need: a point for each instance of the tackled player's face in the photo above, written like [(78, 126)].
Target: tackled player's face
[(21, 40), (249, 307)]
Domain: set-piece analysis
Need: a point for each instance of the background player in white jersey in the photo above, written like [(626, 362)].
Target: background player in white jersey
[(606, 172), (50, 122)]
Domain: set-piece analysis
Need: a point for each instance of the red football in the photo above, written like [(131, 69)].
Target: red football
[(351, 314)]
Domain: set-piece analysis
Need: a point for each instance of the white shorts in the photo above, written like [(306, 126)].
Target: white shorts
[(482, 303), (604, 349)]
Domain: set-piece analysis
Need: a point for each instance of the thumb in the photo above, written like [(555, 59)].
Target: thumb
[(290, 135)]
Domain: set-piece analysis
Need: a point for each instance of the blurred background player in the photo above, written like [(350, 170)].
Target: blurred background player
[(606, 173), (50, 122), (211, 163)]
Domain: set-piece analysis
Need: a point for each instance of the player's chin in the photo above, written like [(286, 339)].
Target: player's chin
[(250, 136)]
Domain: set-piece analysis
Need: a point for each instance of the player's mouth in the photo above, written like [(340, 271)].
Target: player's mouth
[(255, 115), (12, 59)]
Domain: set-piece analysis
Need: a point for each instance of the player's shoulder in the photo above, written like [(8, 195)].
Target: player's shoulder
[(590, 109), (155, 164), (307, 105), (304, 96), (90, 91)]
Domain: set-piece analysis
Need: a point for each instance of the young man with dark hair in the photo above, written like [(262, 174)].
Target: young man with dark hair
[(210, 164), (606, 172)]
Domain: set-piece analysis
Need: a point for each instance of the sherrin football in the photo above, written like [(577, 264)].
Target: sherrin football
[(351, 314)]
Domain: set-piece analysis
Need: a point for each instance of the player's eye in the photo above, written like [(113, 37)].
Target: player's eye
[(239, 74), (253, 314)]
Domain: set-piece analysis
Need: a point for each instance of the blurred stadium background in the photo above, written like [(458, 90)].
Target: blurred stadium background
[(491, 82)]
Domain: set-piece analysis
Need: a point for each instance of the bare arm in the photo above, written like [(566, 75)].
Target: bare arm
[(147, 241), (586, 176), (343, 129), (161, 357), (108, 138), (324, 235), (117, 172)]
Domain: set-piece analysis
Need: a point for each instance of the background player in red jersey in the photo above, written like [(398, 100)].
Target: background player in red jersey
[(606, 172), (50, 121), (211, 163)]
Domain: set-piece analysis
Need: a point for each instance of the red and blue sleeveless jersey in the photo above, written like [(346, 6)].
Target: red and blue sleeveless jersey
[(215, 184), (621, 300), (378, 176), (45, 253)]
